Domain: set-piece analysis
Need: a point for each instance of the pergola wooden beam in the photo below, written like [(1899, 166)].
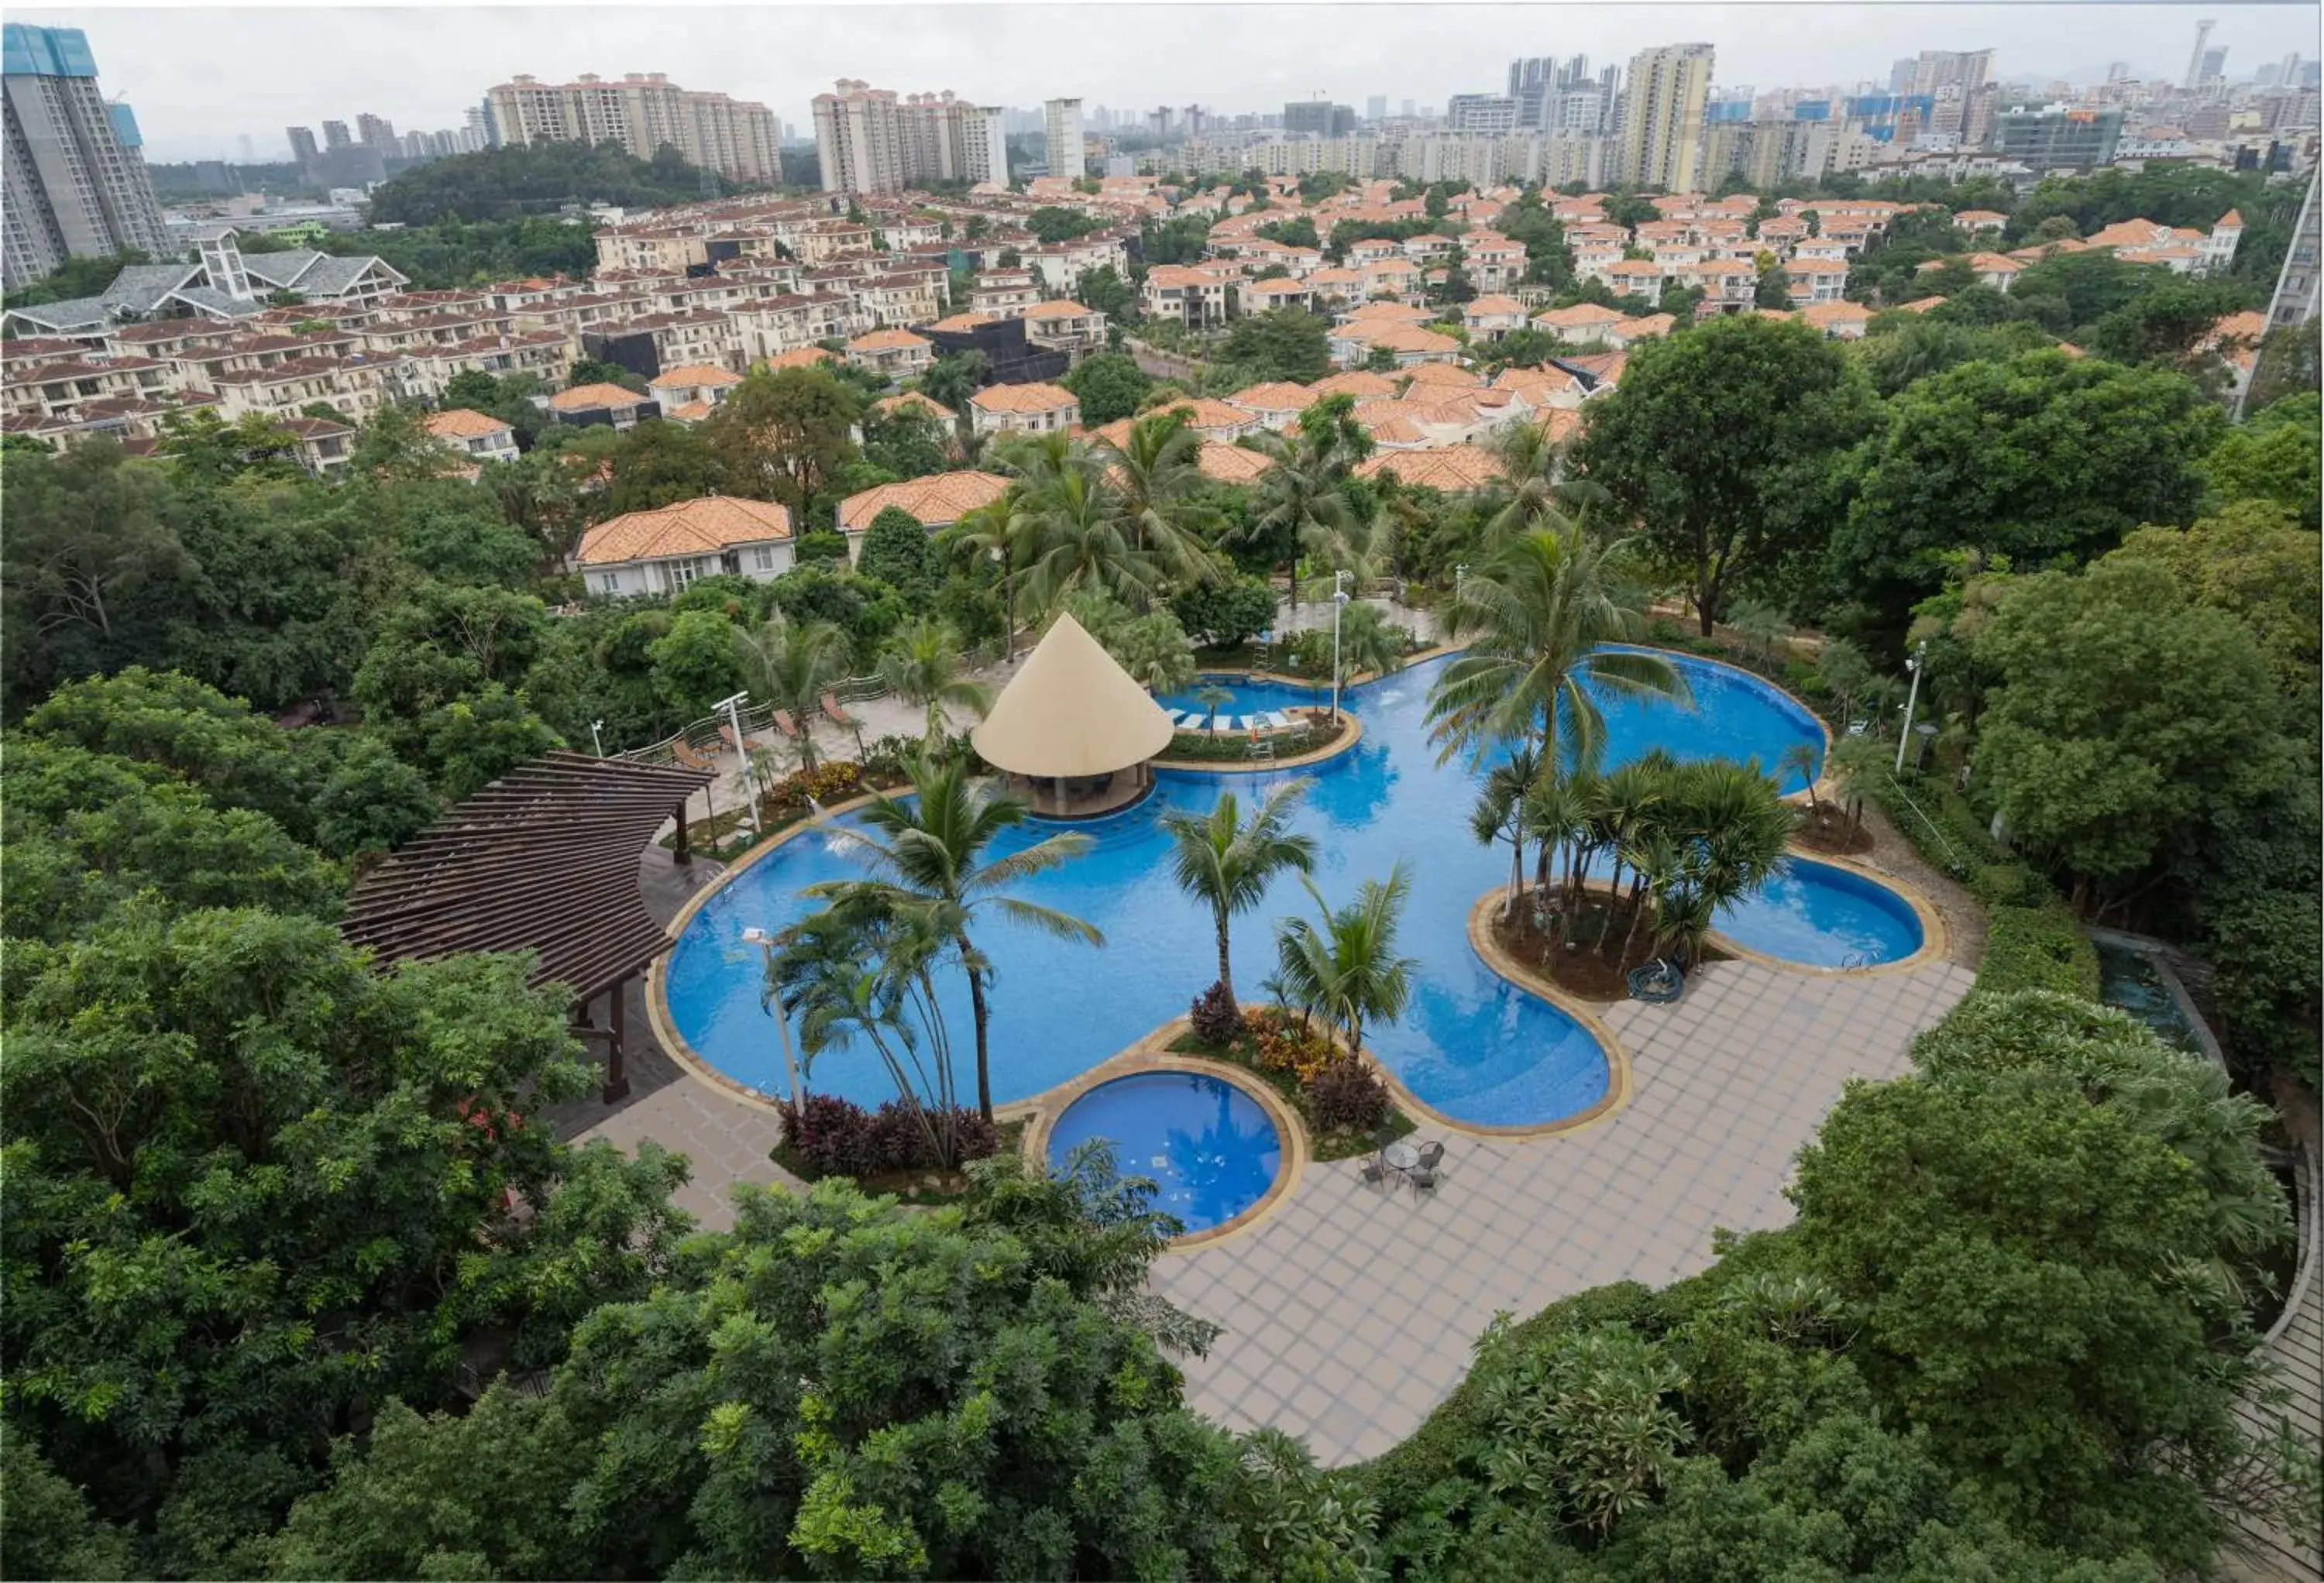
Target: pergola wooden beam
[(544, 859)]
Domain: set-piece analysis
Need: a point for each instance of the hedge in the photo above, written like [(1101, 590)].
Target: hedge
[(2037, 948)]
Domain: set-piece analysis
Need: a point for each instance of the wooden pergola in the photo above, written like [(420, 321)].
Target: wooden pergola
[(544, 859)]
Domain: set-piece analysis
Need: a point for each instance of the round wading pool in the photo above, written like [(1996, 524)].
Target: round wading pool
[(1210, 1147)]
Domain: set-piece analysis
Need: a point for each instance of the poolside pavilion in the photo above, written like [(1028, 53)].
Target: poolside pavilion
[(1072, 731)]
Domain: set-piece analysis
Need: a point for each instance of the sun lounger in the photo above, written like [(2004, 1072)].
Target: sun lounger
[(726, 735), (785, 724), (683, 751), (834, 713), (1277, 720)]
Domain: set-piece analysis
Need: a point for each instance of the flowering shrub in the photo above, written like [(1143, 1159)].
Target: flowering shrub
[(1347, 1096), (832, 781), (1281, 1044), (837, 1138), (1217, 1020)]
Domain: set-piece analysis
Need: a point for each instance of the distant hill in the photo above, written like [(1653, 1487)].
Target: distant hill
[(511, 183)]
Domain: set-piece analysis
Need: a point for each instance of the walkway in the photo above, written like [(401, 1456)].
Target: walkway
[(2296, 1352), (1350, 1314)]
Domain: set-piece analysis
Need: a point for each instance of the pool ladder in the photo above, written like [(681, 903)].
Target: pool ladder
[(1855, 960)]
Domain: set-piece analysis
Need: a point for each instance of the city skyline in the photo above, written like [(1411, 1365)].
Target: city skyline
[(202, 80)]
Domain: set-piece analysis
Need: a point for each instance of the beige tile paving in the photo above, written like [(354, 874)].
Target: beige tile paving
[(1350, 1314)]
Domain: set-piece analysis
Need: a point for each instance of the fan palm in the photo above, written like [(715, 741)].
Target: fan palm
[(926, 852), (922, 666), (1006, 534), (1080, 542), (1856, 766), (793, 664), (1800, 758), (1537, 494), (1227, 862), (1346, 968), (1534, 617), (1760, 626), (1157, 476)]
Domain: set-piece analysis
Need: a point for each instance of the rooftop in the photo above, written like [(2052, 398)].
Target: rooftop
[(696, 527)]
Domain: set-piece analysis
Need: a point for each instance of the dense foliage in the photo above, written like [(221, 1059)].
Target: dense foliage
[(532, 179)]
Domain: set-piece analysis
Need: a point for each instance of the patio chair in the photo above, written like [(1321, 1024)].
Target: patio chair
[(1373, 1173), (683, 751), (784, 724), (1431, 1155), (1423, 1180), (834, 713), (735, 744)]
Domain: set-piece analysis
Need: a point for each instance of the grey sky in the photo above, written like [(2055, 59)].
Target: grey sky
[(199, 76)]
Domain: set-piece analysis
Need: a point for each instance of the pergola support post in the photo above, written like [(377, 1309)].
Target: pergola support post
[(617, 1076), (681, 853)]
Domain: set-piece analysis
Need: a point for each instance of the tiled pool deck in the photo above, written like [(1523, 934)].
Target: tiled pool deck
[(1350, 1312)]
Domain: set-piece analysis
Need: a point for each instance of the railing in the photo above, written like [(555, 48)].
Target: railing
[(1952, 854)]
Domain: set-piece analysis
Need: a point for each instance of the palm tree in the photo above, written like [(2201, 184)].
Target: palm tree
[(1760, 626), (1537, 494), (1534, 616), (1348, 969), (1300, 496), (1157, 477), (1368, 642), (1499, 814), (1003, 533), (1219, 858), (1079, 542), (922, 666), (1801, 759), (793, 664), (927, 855), (1211, 696), (1855, 766)]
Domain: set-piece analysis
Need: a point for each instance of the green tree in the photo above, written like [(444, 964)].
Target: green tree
[(2124, 715), (1162, 496), (1103, 289), (909, 441), (1342, 966), (929, 854), (1717, 444), (372, 802), (693, 662), (475, 738), (2250, 561), (1774, 288), (953, 377), (897, 551), (1224, 614), (784, 435), (1109, 384), (2036, 458), (1227, 862), (922, 667), (2274, 457), (1283, 344), (791, 664), (1080, 539)]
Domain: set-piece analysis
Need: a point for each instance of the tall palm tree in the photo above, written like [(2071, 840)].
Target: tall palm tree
[(1499, 814), (1801, 760), (1368, 642), (1080, 542), (1538, 493), (1347, 969), (922, 666), (793, 664), (1534, 617), (1300, 498), (1222, 860), (1004, 533), (1857, 766), (1157, 476), (926, 854)]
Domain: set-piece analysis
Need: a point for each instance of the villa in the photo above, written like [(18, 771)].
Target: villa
[(662, 551)]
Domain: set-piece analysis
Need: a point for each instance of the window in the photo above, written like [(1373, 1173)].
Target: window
[(763, 557), (609, 582)]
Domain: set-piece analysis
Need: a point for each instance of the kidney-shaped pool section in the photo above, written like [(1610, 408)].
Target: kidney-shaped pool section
[(1211, 1150), (1472, 1047), (1820, 914)]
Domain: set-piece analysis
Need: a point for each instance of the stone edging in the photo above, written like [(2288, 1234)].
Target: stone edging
[(1152, 1054), (1934, 941), (1508, 968), (1263, 766)]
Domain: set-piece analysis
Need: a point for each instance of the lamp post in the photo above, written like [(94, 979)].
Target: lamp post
[(595, 741), (766, 944), (732, 706), (1460, 580), (1338, 603), (1911, 697)]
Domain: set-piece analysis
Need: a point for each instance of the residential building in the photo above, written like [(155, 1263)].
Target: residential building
[(642, 113), (935, 502), (1038, 408), (1660, 138), (1067, 326), (335, 135), (859, 138), (1318, 118), (325, 448), (77, 186), (662, 551), (1194, 294), (2294, 300), (303, 147), (691, 392), (897, 354), (2058, 136), (1485, 113), (376, 130), (476, 436), (1966, 69), (1066, 141), (602, 406)]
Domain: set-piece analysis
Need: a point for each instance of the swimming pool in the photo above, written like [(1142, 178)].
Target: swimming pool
[(1248, 695), (1820, 914), (1211, 1148), (1471, 1046)]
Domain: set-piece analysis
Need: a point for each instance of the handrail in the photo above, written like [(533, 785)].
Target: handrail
[(1951, 852)]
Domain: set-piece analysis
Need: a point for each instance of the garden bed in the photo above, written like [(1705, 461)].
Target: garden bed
[(1582, 971), (918, 1185), (1343, 1143), (1824, 829), (1203, 747)]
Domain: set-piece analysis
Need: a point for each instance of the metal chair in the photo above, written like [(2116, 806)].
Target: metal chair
[(1423, 1180), (1374, 1173), (1431, 1155)]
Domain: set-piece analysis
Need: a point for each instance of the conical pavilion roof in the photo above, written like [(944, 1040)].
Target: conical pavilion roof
[(1072, 710)]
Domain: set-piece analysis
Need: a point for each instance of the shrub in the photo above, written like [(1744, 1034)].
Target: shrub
[(1217, 1020), (832, 781), (1284, 1045), (838, 1138), (2038, 948), (1348, 1096)]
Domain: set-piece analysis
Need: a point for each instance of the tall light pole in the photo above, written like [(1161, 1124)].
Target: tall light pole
[(732, 706), (766, 944), (1338, 603), (1911, 697), (1460, 580), (596, 740)]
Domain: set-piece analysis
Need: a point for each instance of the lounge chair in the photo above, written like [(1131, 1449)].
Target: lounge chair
[(733, 743), (683, 751), (785, 724), (834, 713)]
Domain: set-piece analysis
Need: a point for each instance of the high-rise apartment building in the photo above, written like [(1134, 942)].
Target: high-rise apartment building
[(1659, 141), (376, 130), (1967, 69), (303, 147), (867, 139), (76, 183), (1376, 108), (335, 135), (642, 113), (1481, 112), (1064, 143), (2058, 137), (1318, 118)]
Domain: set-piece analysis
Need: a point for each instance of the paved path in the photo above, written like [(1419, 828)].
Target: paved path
[(2297, 1351), (1350, 1314)]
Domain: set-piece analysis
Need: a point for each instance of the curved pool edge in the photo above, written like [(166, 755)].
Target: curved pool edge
[(1152, 1053), (1934, 941), (1517, 976), (658, 1013), (1346, 745), (1777, 688)]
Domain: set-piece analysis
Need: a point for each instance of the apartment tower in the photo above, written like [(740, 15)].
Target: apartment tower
[(1658, 143), (642, 113), (76, 183), (1066, 141)]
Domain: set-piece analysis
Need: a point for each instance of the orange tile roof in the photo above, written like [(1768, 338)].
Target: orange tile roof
[(1823, 315), (1454, 469), (580, 398), (1040, 396), (689, 413), (1645, 325), (1492, 302), (462, 423), (1359, 382), (1273, 396), (1398, 338), (1921, 304), (1559, 422), (934, 501), (695, 373), (1231, 464), (914, 398), (888, 341), (1395, 313), (1439, 376), (798, 357), (1581, 316), (961, 322), (696, 527), (1061, 307)]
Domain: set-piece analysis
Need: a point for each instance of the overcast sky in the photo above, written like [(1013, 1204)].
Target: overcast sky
[(199, 76)]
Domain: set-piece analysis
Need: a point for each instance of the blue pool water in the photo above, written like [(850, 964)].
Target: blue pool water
[(1249, 696), (1208, 1146), (1471, 1046), (1823, 916)]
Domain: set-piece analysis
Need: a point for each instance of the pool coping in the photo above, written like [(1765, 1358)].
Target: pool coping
[(1619, 1089), (1346, 744), (1152, 1053), (1934, 941)]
